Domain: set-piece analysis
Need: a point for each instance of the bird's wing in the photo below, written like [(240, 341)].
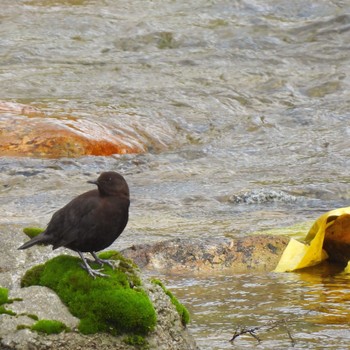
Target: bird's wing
[(66, 224)]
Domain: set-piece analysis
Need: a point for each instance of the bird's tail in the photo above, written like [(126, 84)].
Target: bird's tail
[(39, 239)]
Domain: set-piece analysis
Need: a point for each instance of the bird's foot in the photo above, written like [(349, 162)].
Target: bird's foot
[(93, 272), (102, 262)]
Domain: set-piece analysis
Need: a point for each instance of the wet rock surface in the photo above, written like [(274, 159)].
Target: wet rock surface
[(258, 253)]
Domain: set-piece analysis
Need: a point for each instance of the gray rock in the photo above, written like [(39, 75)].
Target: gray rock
[(169, 333), (44, 303)]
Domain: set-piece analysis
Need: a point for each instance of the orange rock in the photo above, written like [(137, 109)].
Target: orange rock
[(48, 137)]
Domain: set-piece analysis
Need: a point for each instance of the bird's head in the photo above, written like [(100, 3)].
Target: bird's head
[(111, 183)]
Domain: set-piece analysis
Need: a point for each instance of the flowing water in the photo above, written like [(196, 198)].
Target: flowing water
[(232, 97)]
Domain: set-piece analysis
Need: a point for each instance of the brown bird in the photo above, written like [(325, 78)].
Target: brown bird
[(91, 221)]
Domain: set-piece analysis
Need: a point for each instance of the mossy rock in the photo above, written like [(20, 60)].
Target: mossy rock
[(115, 304), (181, 309)]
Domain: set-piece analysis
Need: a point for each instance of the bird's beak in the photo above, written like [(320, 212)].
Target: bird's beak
[(94, 182)]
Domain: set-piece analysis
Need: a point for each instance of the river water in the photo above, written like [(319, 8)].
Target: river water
[(231, 97)]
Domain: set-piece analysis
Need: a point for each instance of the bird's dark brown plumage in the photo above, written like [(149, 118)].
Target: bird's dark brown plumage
[(91, 221)]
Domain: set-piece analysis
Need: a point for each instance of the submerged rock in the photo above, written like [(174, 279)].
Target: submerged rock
[(251, 253), (258, 196), (26, 131), (51, 137)]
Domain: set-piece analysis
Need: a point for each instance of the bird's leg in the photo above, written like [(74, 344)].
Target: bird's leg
[(93, 273), (101, 262)]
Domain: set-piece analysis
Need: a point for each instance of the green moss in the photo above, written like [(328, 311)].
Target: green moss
[(15, 299), (4, 295), (33, 317), (217, 23), (114, 255), (4, 299), (102, 304), (181, 309), (137, 340), (32, 276), (32, 231), (44, 326), (166, 41), (22, 326), (6, 311), (49, 327), (125, 265)]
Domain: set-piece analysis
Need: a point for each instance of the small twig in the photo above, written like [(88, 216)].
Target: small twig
[(240, 331), (289, 332), (267, 327), (255, 336)]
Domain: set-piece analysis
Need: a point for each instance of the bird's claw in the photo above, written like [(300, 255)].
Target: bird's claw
[(102, 262), (93, 272)]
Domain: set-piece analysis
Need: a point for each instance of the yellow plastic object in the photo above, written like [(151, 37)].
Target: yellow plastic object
[(291, 256), (347, 268), (298, 255)]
